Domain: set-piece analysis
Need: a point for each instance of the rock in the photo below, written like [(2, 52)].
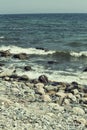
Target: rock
[(46, 98), (81, 120), (84, 100), (41, 48), (40, 89), (34, 81), (61, 94), (66, 102), (52, 62), (14, 76), (85, 70), (51, 88), (5, 53), (21, 56), (62, 86), (30, 85), (55, 83), (27, 68), (43, 79), (6, 73), (6, 78), (51, 93), (72, 97), (85, 89), (1, 64), (75, 84), (75, 91), (78, 111), (24, 78)]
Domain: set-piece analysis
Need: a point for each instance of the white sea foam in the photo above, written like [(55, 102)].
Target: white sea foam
[(16, 50), (2, 37), (79, 54), (59, 76)]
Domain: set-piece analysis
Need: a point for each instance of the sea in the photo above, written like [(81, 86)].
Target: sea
[(56, 45)]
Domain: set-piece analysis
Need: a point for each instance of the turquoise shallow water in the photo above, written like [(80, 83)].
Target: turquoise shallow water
[(63, 36)]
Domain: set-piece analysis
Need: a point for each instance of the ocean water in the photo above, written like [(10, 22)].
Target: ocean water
[(56, 44)]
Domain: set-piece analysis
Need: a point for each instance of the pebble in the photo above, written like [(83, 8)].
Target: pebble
[(78, 111), (46, 98)]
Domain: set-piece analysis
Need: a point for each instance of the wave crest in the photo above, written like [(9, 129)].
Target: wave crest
[(38, 51)]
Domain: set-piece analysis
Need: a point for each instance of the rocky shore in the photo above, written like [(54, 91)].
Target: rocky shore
[(40, 104)]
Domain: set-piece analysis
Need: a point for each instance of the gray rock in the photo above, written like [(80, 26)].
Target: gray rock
[(21, 56)]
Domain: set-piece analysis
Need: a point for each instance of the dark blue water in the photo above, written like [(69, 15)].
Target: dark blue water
[(52, 31), (66, 34)]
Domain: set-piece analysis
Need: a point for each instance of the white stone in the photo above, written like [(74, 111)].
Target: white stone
[(78, 111), (46, 98)]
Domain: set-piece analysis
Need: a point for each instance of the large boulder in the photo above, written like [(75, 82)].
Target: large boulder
[(21, 56), (27, 68), (43, 79), (5, 53)]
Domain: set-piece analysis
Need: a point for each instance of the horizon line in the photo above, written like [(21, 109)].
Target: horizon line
[(44, 13)]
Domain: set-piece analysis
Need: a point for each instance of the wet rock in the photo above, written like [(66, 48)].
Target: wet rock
[(21, 56), (24, 78), (1, 64), (5, 53), (34, 81), (14, 76), (27, 68), (43, 79), (85, 70), (75, 84), (78, 111), (54, 83), (52, 62), (41, 48)]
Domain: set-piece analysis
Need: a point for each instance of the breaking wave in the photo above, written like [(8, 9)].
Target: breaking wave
[(42, 51)]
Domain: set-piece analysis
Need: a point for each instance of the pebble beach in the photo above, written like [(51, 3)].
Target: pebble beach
[(40, 104)]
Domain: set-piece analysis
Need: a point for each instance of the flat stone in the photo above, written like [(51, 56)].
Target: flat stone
[(61, 94)]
